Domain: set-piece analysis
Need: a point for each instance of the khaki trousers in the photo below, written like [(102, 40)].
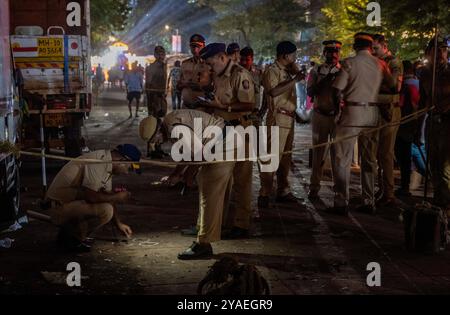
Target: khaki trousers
[(156, 104), (216, 182), (213, 181), (323, 130), (354, 120), (80, 218), (285, 144), (240, 190), (385, 154)]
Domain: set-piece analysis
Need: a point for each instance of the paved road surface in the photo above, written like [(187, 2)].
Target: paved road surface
[(300, 249)]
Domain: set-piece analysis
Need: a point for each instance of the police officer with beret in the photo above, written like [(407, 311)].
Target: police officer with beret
[(234, 100), (323, 122), (279, 84)]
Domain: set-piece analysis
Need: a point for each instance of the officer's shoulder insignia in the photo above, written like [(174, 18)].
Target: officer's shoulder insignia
[(246, 84)]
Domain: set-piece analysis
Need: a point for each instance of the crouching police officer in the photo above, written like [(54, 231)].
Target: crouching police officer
[(82, 199)]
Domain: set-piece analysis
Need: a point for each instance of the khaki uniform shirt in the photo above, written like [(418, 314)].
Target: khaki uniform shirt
[(323, 97), (360, 78), (69, 182), (194, 71), (198, 132), (156, 77), (273, 76), (187, 117), (234, 85), (442, 89)]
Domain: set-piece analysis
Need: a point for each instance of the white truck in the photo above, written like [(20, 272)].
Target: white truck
[(50, 44)]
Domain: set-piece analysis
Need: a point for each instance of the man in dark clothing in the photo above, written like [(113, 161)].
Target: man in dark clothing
[(409, 102)]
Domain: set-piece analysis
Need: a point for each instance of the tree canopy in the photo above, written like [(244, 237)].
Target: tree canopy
[(107, 18), (407, 24), (260, 24)]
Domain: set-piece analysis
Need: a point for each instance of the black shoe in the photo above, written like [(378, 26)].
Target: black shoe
[(196, 251), (192, 231), (235, 233), (70, 243), (263, 202), (89, 241), (81, 248), (369, 209), (289, 198), (338, 210), (402, 192)]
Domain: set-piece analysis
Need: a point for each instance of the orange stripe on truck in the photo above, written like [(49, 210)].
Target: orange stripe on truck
[(49, 65)]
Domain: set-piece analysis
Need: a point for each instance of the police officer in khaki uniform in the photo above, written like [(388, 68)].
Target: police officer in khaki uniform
[(82, 199), (195, 80), (156, 84), (247, 62), (438, 124), (389, 103), (357, 84), (234, 100), (196, 76), (323, 122), (279, 84)]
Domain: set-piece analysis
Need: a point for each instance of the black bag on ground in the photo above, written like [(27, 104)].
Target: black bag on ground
[(228, 277), (425, 228)]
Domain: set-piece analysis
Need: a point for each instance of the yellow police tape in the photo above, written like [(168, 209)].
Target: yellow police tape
[(404, 120)]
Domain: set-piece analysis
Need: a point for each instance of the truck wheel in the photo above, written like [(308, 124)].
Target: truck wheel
[(9, 192)]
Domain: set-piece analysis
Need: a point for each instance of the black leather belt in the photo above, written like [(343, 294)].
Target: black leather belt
[(237, 122), (325, 113), (395, 104), (286, 112), (360, 104)]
